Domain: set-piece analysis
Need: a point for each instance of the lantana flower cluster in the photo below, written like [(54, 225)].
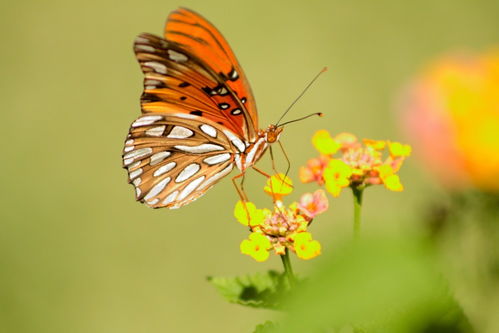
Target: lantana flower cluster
[(345, 161), (283, 228)]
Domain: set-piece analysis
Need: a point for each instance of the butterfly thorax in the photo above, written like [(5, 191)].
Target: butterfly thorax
[(255, 150)]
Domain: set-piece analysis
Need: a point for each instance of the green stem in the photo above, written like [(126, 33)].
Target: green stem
[(357, 207), (288, 270)]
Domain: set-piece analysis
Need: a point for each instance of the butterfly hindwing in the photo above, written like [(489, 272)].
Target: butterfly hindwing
[(172, 159)]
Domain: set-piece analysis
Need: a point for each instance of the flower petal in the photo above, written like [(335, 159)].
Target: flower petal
[(257, 247), (392, 183), (278, 185), (399, 150), (305, 247), (324, 143), (243, 210)]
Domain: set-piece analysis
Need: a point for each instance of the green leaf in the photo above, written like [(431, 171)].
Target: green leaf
[(260, 290), (266, 327), (376, 285)]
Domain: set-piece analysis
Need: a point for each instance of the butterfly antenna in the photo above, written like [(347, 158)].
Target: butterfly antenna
[(302, 93), (320, 114)]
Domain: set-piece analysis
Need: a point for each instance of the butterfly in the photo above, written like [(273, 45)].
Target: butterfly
[(199, 117)]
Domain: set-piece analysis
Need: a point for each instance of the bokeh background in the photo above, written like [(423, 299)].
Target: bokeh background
[(78, 254)]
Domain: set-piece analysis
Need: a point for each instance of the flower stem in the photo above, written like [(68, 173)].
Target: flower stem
[(357, 206), (288, 270)]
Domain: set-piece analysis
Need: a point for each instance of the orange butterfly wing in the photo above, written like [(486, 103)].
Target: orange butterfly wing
[(175, 81), (200, 38)]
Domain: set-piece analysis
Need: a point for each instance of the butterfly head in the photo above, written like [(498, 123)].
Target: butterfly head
[(272, 133)]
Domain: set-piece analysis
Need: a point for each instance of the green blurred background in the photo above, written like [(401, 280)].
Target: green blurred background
[(78, 254)]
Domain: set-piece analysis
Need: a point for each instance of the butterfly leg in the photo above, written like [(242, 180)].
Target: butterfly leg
[(286, 157), (268, 177), (287, 160), (240, 191), (272, 159)]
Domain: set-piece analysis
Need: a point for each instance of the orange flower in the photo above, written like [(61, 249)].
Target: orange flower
[(451, 112), (313, 204), (314, 170)]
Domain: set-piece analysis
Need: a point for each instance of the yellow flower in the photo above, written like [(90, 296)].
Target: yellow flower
[(324, 143), (243, 210), (336, 176), (305, 247), (389, 178), (278, 186), (399, 150), (256, 247)]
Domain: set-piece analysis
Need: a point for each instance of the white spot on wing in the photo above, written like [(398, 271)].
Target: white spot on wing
[(153, 202), (137, 153), (185, 116), (210, 130), (216, 177), (235, 141), (156, 131), (135, 173), (146, 120), (137, 181), (217, 159), (164, 168), (129, 148), (177, 56), (157, 66), (137, 191), (170, 198), (204, 148), (188, 172), (134, 165), (152, 82), (190, 188), (147, 48), (129, 142), (179, 132), (156, 189), (158, 157)]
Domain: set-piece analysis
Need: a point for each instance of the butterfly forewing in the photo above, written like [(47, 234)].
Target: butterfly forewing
[(179, 81), (203, 40), (172, 160)]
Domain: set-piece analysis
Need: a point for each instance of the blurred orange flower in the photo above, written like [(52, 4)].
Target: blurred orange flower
[(451, 112)]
